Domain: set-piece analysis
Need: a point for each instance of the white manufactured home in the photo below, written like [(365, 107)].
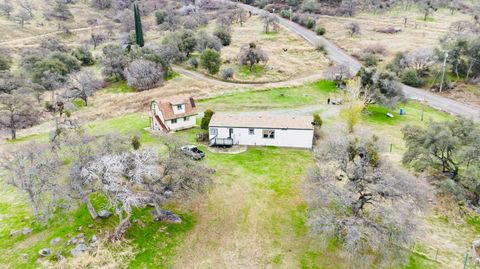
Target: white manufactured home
[(261, 130), (173, 115)]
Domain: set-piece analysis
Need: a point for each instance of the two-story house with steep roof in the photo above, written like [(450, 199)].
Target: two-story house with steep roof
[(174, 115)]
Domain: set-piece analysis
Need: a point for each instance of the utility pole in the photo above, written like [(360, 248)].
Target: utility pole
[(291, 13), (465, 262), (443, 70)]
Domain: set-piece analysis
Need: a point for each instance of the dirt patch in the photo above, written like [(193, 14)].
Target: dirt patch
[(467, 94)]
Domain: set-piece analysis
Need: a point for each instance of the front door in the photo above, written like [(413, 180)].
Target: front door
[(230, 133)]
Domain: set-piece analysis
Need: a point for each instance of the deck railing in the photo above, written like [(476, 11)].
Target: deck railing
[(221, 141)]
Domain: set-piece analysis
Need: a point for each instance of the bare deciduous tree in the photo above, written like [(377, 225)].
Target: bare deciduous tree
[(133, 179), (110, 171), (6, 8), (269, 20), (240, 15), (353, 28), (83, 150), (33, 169), (18, 110), (419, 59), (251, 55), (362, 201), (171, 21), (83, 85), (27, 5), (21, 17), (339, 73), (144, 74)]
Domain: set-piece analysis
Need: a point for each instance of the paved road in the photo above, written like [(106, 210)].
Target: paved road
[(340, 57)]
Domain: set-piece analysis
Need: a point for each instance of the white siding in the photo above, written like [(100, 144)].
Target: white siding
[(178, 108), (181, 123), (283, 137)]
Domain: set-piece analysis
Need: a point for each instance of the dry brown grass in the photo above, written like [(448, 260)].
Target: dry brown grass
[(452, 240), (416, 34), (107, 105), (289, 55), (103, 256), (468, 94)]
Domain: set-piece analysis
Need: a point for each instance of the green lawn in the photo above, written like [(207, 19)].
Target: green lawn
[(118, 87), (279, 98), (244, 72), (377, 115), (389, 129), (152, 248), (257, 198)]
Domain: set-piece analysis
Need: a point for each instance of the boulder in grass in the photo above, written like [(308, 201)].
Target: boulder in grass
[(44, 252), (94, 239), (166, 216), (55, 241), (27, 231), (104, 214), (13, 233), (79, 249)]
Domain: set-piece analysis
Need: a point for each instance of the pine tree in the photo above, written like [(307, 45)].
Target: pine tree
[(138, 26)]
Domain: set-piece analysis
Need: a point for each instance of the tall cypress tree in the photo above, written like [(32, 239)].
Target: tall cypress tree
[(138, 26)]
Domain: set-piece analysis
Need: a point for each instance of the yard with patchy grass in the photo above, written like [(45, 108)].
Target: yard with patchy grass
[(254, 216), (256, 206), (268, 99)]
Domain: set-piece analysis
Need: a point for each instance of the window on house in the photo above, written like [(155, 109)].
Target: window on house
[(213, 131), (179, 107), (270, 134), (174, 121), (251, 131), (185, 118)]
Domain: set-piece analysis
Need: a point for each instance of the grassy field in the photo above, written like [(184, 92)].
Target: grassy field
[(253, 217), (265, 204), (279, 98), (389, 129), (153, 244)]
